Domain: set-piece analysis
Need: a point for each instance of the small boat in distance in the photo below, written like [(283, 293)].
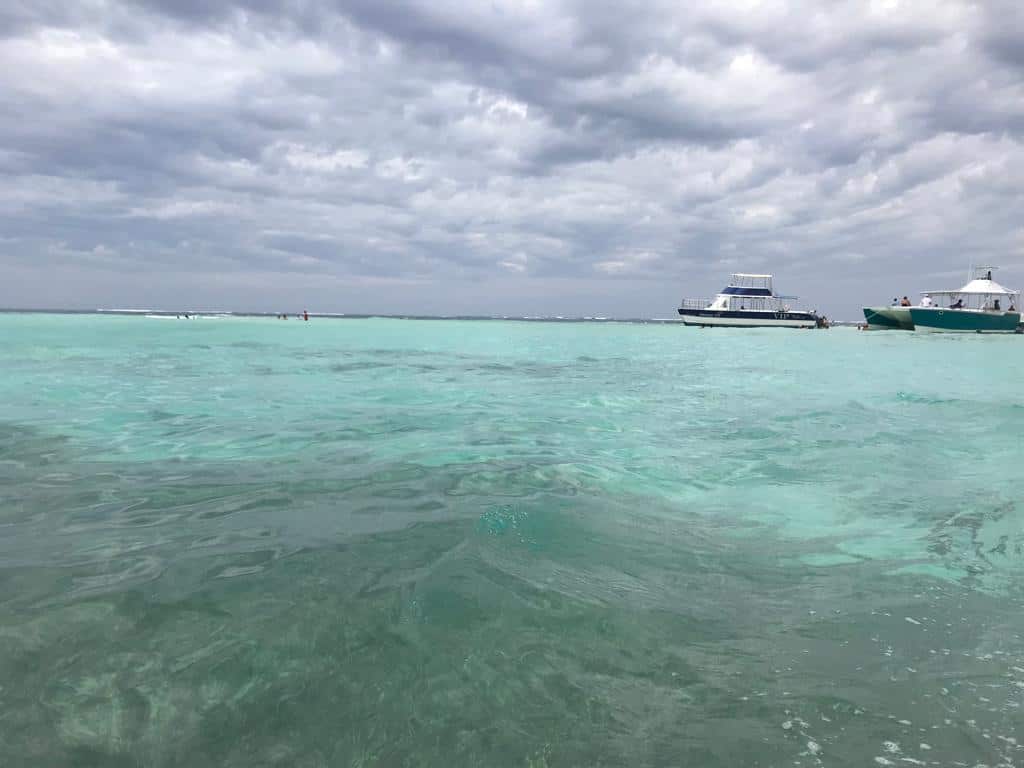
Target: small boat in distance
[(980, 306), (748, 302)]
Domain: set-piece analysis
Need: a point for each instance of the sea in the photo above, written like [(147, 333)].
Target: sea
[(243, 541)]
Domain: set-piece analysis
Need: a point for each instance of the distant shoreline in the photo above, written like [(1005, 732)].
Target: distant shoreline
[(355, 316), (333, 315)]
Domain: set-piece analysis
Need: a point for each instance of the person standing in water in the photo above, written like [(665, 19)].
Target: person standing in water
[(305, 315)]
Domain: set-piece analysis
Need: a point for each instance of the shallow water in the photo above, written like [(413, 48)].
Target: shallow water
[(245, 542)]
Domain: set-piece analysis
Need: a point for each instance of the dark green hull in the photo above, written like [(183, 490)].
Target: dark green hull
[(931, 320), (888, 318)]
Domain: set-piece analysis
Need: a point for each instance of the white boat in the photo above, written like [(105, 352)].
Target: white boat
[(749, 301)]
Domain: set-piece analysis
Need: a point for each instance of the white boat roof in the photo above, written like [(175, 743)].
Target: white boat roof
[(748, 274), (980, 286)]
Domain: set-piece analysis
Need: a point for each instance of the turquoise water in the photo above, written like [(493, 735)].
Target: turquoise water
[(245, 542)]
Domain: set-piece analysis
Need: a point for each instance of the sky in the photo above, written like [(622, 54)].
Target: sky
[(505, 157)]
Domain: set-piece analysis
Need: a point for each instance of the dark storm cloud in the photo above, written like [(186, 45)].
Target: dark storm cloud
[(1001, 32), (356, 151)]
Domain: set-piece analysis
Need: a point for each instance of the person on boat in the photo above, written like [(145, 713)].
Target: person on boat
[(959, 304), (895, 301), (926, 300), (1011, 308), (989, 275), (904, 302), (995, 306)]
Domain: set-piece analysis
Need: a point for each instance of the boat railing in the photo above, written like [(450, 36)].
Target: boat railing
[(694, 303)]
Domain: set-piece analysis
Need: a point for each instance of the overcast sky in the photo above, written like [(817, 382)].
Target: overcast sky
[(504, 157)]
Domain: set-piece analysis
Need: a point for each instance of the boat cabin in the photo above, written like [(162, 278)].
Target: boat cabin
[(980, 294), (752, 293)]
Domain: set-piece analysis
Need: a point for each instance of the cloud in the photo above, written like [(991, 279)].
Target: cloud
[(504, 157)]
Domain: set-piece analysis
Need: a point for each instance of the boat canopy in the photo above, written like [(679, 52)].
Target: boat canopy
[(978, 288), (981, 284)]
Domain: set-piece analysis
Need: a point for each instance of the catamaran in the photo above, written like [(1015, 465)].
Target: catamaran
[(894, 318), (980, 306), (749, 301)]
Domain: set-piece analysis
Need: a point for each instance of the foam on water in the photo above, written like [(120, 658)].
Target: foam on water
[(379, 542)]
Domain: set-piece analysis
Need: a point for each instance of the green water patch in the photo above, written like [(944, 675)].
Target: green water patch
[(827, 559), (920, 399), (409, 647), (358, 366)]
